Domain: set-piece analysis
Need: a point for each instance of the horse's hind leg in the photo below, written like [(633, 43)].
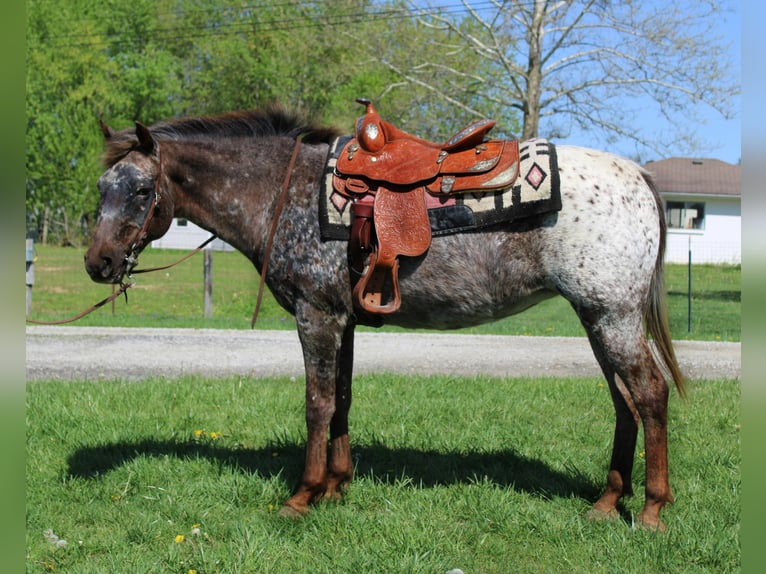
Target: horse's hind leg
[(639, 392)]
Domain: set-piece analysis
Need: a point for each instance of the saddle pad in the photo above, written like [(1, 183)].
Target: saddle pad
[(535, 191)]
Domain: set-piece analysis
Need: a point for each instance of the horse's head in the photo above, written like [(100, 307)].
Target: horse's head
[(136, 205)]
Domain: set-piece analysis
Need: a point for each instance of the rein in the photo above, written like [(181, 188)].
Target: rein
[(123, 287), (272, 232), (132, 258)]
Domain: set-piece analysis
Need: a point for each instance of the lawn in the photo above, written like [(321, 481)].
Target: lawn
[(485, 475), (174, 298)]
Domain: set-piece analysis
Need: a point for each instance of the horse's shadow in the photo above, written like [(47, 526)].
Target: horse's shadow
[(380, 462)]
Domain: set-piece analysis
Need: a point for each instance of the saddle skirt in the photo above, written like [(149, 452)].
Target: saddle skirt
[(389, 176)]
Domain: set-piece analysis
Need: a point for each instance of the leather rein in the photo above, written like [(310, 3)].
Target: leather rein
[(132, 257)]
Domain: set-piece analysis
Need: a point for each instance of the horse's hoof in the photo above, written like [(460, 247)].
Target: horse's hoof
[(610, 515), (332, 496), (645, 523), (291, 512)]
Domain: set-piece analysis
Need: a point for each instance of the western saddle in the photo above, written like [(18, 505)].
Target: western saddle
[(387, 173)]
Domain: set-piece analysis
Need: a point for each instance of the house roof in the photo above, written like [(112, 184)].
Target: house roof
[(684, 175)]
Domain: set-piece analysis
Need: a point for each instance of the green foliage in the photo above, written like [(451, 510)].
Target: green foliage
[(148, 60), (486, 475), (174, 298)]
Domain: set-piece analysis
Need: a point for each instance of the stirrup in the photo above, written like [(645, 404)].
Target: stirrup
[(368, 292)]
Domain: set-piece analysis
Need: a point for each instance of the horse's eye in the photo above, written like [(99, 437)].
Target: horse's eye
[(143, 192)]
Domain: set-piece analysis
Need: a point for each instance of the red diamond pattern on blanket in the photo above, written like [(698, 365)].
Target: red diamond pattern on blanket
[(536, 176)]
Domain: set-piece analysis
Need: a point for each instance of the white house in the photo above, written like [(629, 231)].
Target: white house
[(702, 200), (184, 234)]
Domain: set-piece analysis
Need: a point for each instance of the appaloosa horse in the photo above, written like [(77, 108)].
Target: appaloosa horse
[(603, 252)]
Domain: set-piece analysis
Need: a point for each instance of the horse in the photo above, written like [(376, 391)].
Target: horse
[(602, 251)]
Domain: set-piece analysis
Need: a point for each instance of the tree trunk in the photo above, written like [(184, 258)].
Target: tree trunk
[(46, 217), (534, 72)]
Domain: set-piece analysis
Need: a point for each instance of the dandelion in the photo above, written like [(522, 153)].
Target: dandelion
[(642, 454), (215, 435), (53, 539), (179, 538), (192, 571), (198, 433), (195, 531)]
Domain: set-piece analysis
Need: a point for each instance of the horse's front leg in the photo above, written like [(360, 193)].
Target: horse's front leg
[(341, 470), (321, 338)]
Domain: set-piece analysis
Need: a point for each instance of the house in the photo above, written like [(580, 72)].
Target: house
[(702, 200), (183, 234)]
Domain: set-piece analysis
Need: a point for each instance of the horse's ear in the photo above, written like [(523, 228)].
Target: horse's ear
[(145, 139), (106, 130)]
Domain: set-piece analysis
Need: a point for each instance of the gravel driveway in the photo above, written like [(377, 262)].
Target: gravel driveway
[(105, 353)]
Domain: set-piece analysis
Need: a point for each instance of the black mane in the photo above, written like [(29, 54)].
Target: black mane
[(274, 120)]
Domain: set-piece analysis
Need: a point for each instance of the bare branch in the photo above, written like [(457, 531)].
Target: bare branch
[(590, 64)]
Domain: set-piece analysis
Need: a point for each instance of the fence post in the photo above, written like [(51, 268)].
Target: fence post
[(30, 279), (689, 291), (208, 273)]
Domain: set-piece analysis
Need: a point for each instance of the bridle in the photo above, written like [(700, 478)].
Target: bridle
[(132, 257)]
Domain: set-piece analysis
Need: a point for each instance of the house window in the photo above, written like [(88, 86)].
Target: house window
[(685, 215)]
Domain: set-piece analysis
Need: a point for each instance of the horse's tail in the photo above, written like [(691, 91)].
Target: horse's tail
[(655, 308)]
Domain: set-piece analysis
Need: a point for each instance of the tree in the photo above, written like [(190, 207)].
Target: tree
[(85, 61), (147, 60), (591, 64), (439, 81)]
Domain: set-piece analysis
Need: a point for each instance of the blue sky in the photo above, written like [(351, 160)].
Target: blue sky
[(721, 138), (718, 138)]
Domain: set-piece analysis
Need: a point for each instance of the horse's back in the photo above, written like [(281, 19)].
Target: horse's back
[(599, 250)]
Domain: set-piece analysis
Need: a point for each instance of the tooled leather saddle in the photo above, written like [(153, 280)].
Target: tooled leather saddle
[(387, 173)]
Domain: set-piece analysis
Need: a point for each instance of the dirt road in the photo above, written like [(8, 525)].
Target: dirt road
[(100, 353)]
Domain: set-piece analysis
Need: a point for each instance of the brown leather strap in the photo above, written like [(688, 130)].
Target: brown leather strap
[(274, 223), (184, 258), (123, 288), (132, 257), (360, 242)]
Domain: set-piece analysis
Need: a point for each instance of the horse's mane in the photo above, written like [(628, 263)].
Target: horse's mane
[(273, 120)]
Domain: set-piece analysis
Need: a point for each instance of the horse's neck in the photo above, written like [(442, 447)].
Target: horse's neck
[(229, 190)]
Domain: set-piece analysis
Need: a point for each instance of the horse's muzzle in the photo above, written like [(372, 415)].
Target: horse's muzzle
[(105, 267)]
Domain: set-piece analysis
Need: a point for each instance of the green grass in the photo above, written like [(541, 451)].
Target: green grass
[(174, 298), (486, 475)]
